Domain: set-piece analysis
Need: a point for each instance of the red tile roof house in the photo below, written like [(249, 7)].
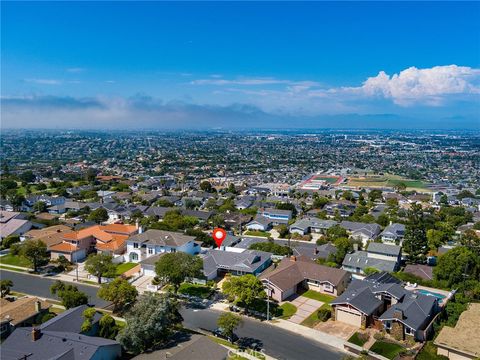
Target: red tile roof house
[(110, 239), (297, 273)]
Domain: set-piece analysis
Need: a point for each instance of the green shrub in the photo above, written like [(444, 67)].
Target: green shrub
[(324, 314)]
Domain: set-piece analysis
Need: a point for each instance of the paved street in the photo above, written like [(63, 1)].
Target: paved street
[(40, 286), (278, 343)]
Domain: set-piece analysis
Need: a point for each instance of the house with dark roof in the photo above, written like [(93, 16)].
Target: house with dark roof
[(218, 262), (393, 233), (294, 274), (260, 223), (24, 311), (153, 242), (380, 256), (362, 231), (59, 338), (382, 298), (311, 224)]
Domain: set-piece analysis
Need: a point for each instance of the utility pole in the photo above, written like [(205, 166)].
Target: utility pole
[(268, 301)]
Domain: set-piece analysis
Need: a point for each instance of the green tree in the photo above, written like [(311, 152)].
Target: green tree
[(457, 265), (287, 206), (343, 245), (27, 176), (150, 322), (228, 322), (100, 265), (383, 220), (375, 195), (5, 287), (98, 215), (40, 206), (436, 238), (120, 292), (320, 202), (177, 267), (471, 240), (36, 252), (336, 232), (206, 186), (231, 188), (88, 316), (244, 290), (108, 329), (415, 242), (282, 231), (69, 294), (9, 241), (271, 247)]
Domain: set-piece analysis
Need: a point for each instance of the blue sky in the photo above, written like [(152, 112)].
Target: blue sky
[(344, 64)]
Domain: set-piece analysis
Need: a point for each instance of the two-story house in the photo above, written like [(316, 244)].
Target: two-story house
[(150, 243)]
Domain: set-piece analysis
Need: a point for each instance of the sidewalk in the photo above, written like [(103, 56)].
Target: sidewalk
[(313, 334)]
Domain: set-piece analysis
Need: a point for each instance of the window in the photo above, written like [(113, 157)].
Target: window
[(150, 251), (135, 245), (408, 331), (134, 256), (388, 325)]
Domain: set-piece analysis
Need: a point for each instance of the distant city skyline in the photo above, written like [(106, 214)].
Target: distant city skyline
[(123, 65)]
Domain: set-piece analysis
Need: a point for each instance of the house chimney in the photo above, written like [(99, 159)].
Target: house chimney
[(355, 247), (36, 333), (293, 258), (398, 314), (38, 306)]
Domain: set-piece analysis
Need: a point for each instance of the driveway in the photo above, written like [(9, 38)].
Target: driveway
[(142, 282), (305, 307), (337, 328)]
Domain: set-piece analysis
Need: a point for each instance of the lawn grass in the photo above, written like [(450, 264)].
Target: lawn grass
[(286, 310), (429, 352), (312, 294), (195, 290), (313, 319), (123, 267), (386, 349), (5, 267), (257, 233), (357, 340), (222, 341), (14, 260)]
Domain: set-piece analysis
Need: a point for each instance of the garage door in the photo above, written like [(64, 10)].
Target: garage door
[(349, 318)]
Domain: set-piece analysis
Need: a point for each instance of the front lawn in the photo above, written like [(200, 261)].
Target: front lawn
[(429, 352), (286, 311), (124, 267), (312, 294), (358, 339), (257, 233), (201, 291), (15, 260), (387, 349)]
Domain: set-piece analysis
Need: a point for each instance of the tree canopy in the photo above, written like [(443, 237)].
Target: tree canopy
[(100, 265), (120, 292), (176, 267), (68, 294), (244, 290)]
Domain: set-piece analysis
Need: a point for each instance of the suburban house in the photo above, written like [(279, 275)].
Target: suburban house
[(260, 223), (311, 224), (235, 261), (153, 242), (277, 216), (11, 223), (380, 299), (294, 274), (461, 342), (110, 239), (362, 231), (48, 200), (343, 208), (59, 338), (24, 311), (393, 233), (380, 256), (51, 235)]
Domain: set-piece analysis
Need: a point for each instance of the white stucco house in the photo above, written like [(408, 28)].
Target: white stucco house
[(152, 242)]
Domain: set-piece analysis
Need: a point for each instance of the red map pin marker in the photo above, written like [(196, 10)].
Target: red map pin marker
[(219, 235)]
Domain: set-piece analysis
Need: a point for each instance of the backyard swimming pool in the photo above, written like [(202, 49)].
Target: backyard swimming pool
[(430, 293)]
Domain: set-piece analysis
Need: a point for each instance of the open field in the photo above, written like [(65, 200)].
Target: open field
[(386, 180)]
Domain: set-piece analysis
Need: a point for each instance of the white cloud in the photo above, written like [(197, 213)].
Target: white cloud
[(422, 86), (44, 81), (75, 70)]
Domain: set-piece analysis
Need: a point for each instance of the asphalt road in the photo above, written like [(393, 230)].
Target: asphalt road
[(277, 342), (40, 286)]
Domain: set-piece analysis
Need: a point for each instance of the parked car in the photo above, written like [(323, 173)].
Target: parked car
[(218, 332)]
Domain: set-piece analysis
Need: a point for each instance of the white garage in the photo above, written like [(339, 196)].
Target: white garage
[(348, 316)]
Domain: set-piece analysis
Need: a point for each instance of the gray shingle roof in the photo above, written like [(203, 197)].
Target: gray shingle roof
[(162, 238), (360, 259), (248, 260), (380, 248)]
